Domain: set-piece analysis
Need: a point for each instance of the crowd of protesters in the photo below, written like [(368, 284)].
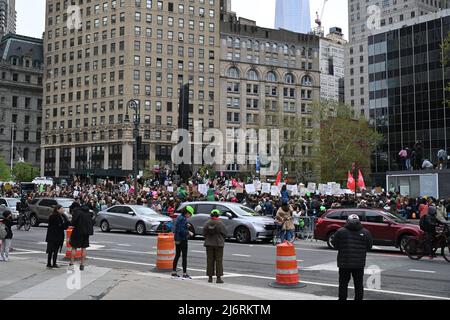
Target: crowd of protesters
[(414, 159), (162, 195)]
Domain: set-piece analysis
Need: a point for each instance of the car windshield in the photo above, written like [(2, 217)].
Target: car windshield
[(395, 218), (143, 211), (247, 212), (65, 203)]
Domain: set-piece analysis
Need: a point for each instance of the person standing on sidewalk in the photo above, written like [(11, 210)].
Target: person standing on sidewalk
[(82, 229), (6, 243), (215, 233), (352, 242), (181, 235), (57, 223)]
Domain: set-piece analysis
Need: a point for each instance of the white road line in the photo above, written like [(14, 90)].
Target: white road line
[(129, 251), (272, 278), (424, 271), (241, 255), (300, 260), (19, 253), (197, 251), (123, 245)]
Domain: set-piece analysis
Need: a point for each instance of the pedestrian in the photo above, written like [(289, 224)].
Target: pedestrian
[(427, 165), (215, 233), (423, 208), (352, 242), (442, 157), (181, 234), (284, 194), (408, 158), (6, 243), (57, 223), (210, 193), (441, 212), (418, 154), (284, 218), (82, 224), (403, 154)]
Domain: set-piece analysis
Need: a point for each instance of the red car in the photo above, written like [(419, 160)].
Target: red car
[(386, 228)]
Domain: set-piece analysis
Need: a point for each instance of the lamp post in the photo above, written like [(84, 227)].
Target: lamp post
[(12, 144), (135, 106)]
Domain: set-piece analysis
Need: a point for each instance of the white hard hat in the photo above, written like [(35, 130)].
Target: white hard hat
[(353, 217)]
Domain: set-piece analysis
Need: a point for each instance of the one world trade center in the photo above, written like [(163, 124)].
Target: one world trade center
[(293, 15)]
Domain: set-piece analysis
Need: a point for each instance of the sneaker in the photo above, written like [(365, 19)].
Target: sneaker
[(55, 266), (49, 266), (175, 275), (219, 280), (186, 277), (6, 259), (81, 267), (210, 279)]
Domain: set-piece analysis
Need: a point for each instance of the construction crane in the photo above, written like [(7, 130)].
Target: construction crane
[(318, 20)]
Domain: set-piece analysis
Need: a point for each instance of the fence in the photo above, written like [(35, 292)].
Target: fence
[(307, 231)]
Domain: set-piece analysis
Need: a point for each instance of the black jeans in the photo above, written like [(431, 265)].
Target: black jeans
[(344, 279), (429, 236), (181, 249)]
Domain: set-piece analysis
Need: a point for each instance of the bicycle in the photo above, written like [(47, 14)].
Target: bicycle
[(279, 235), (415, 247), (24, 221)]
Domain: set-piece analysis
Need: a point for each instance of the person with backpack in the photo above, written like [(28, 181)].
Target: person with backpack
[(352, 242), (181, 235), (428, 225), (6, 241), (215, 233)]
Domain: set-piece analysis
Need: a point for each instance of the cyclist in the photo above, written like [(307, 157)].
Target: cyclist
[(22, 207), (284, 218), (428, 224)]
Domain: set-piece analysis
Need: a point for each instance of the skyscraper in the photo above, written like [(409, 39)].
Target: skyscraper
[(7, 17), (293, 15)]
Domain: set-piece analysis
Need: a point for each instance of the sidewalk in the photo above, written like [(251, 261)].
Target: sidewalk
[(26, 278)]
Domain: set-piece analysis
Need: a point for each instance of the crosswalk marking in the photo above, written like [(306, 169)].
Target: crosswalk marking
[(59, 287), (424, 271)]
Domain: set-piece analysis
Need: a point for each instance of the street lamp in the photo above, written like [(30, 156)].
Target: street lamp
[(12, 144), (135, 106)]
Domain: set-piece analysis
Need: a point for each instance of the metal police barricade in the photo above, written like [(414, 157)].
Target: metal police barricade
[(309, 225)]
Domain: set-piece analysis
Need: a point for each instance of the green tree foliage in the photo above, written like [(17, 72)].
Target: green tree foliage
[(24, 172), (343, 140), (5, 172)]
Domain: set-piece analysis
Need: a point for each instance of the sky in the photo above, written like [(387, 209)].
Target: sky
[(31, 14)]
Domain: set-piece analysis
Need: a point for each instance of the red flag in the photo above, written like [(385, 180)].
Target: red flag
[(351, 182), (361, 183), (277, 182)]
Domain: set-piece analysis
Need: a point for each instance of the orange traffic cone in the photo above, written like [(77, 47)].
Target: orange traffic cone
[(69, 247), (287, 269)]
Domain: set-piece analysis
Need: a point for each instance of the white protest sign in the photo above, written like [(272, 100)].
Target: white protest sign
[(250, 188), (203, 189), (311, 187), (257, 185), (265, 188), (274, 191), (170, 189)]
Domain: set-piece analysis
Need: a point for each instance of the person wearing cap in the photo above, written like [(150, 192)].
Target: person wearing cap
[(352, 242), (215, 233), (181, 235)]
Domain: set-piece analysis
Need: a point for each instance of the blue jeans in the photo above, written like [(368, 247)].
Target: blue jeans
[(287, 235), (408, 164)]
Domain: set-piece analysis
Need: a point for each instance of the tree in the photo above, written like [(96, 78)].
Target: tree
[(24, 172), (5, 172), (344, 140)]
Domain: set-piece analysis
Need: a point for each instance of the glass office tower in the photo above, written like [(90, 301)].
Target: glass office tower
[(407, 90), (293, 15)]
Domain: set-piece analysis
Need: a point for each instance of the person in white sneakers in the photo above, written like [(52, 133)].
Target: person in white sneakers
[(6, 243)]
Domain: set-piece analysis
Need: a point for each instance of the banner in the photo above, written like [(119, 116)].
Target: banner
[(274, 191), (203, 189), (265, 187), (250, 188), (311, 187)]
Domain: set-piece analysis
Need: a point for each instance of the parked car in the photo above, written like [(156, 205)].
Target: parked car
[(386, 228), (42, 208), (9, 204), (131, 218), (242, 223)]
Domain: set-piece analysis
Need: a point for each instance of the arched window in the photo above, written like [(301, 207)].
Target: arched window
[(285, 49), (229, 41), (256, 45), (289, 78), (271, 76), (307, 81), (292, 50), (233, 72), (26, 154), (237, 43), (249, 44), (252, 75)]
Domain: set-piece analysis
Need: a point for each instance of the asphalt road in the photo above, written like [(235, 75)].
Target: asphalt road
[(254, 264)]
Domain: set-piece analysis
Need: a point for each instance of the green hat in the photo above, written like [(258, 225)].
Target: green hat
[(308, 194), (322, 208), (190, 210), (215, 213)]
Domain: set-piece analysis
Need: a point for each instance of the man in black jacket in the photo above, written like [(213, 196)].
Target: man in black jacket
[(82, 229), (352, 242)]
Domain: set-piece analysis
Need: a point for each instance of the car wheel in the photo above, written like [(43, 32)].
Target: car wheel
[(104, 226), (34, 220), (140, 228), (330, 238), (242, 235), (403, 242)]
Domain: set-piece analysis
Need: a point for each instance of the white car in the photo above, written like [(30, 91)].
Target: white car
[(9, 204)]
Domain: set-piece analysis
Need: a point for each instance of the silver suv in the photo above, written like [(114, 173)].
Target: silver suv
[(242, 223), (42, 208)]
